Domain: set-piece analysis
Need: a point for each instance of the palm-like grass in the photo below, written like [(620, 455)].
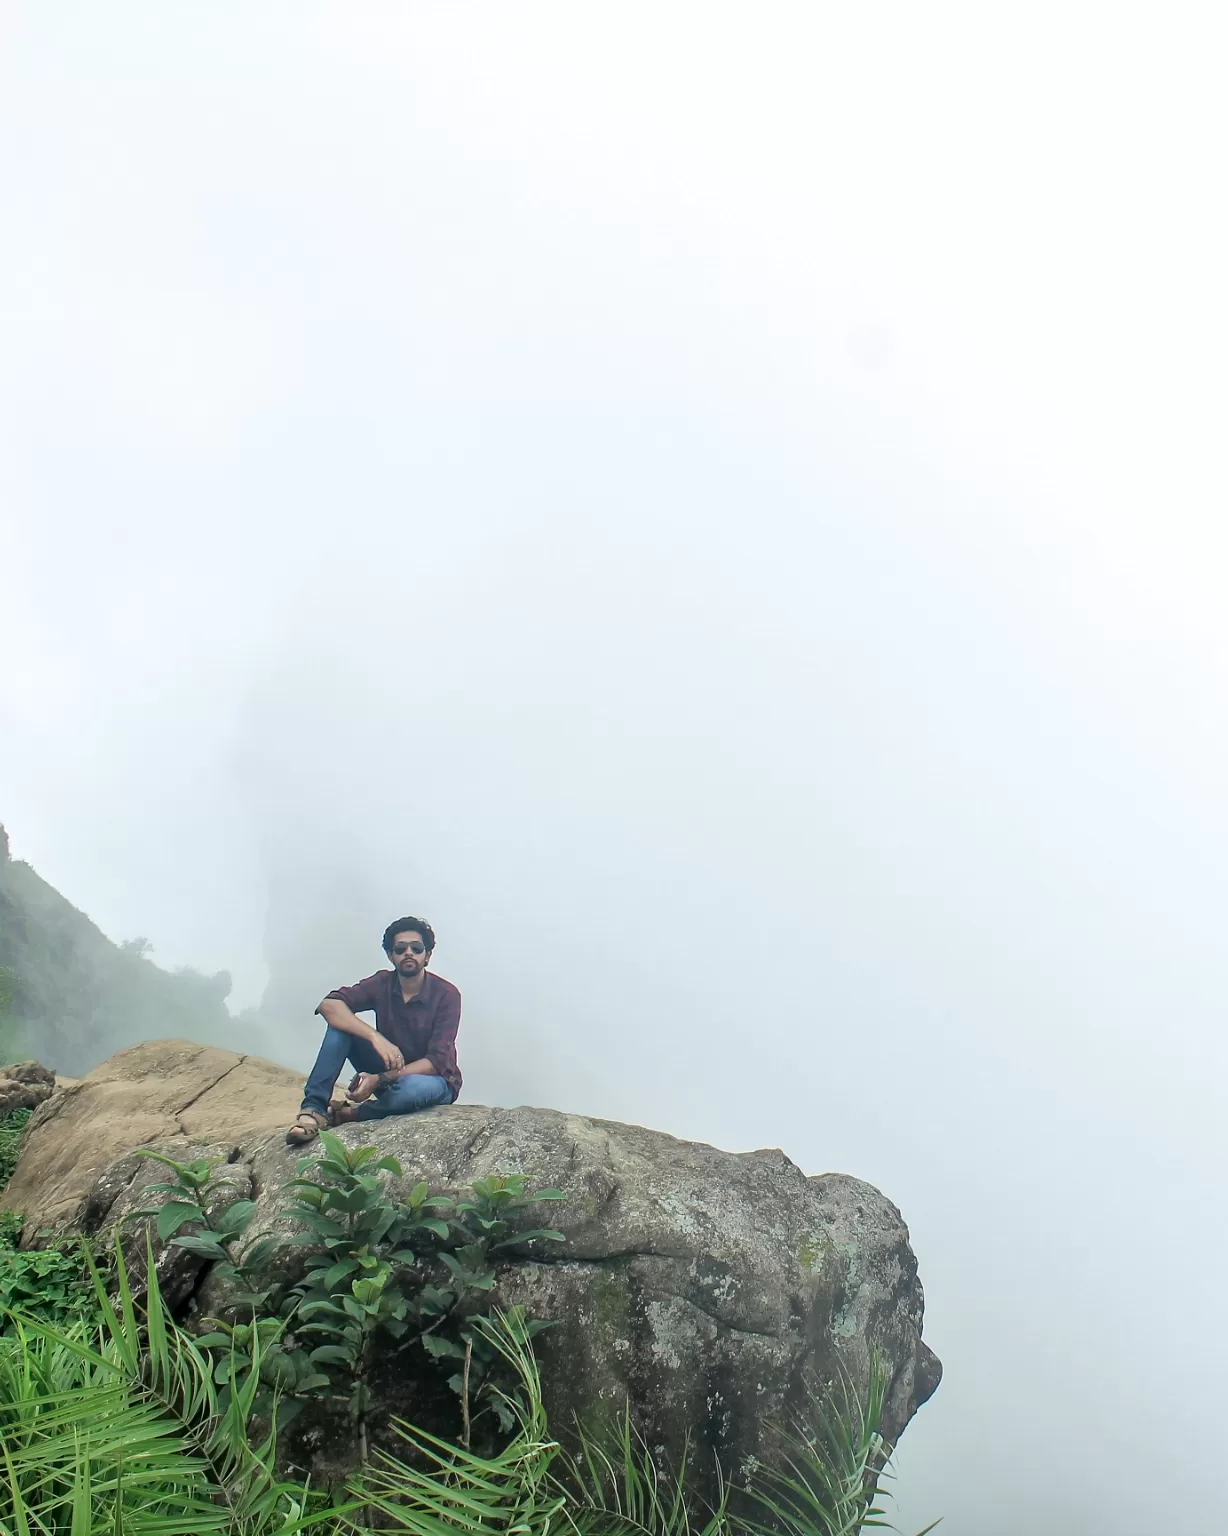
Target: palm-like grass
[(618, 1488), (448, 1490), (826, 1481), (121, 1431)]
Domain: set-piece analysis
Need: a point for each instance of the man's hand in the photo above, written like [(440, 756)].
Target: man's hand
[(388, 1053), (363, 1086)]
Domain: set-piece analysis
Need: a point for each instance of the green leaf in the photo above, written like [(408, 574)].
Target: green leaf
[(310, 1309), (234, 1218), (368, 1291), (338, 1272), (330, 1354), (307, 1191), (324, 1226), (160, 1157), (313, 1381), (439, 1346), (351, 1201), (336, 1149), (175, 1214), (203, 1245), (544, 1234), (259, 1253)]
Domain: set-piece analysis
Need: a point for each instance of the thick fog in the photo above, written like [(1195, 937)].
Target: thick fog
[(721, 510)]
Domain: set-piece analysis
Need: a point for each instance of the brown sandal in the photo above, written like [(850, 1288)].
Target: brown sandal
[(307, 1126)]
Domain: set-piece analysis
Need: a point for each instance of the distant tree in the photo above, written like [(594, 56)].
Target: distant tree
[(138, 947)]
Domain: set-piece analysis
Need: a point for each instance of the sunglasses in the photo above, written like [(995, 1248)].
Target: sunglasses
[(414, 949)]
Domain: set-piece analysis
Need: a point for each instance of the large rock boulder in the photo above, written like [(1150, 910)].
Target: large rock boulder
[(712, 1290), (161, 1093), (24, 1085)]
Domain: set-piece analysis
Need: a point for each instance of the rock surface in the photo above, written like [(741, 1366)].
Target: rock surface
[(24, 1085), (147, 1095), (711, 1290)]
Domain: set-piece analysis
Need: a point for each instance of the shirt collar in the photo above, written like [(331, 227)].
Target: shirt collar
[(394, 985)]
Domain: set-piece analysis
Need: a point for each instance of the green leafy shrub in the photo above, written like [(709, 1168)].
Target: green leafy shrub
[(193, 1193), (52, 1284), (418, 1268), (11, 1127)]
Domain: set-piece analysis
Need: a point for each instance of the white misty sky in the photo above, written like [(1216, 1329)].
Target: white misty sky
[(721, 508)]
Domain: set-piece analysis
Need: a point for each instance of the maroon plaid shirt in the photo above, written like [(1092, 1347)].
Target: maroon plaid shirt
[(424, 1026)]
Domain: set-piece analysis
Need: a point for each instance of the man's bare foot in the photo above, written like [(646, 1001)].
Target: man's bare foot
[(362, 1087)]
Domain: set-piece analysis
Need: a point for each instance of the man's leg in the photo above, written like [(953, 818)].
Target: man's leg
[(336, 1048), (405, 1095)]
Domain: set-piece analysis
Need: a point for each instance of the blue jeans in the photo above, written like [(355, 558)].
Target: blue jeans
[(402, 1096)]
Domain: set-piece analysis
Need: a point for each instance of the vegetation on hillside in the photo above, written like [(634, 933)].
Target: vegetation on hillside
[(71, 997), (11, 1127)]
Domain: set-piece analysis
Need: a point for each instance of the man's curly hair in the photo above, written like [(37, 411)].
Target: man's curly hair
[(409, 925)]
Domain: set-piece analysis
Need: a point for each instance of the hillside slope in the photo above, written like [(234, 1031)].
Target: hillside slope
[(71, 997)]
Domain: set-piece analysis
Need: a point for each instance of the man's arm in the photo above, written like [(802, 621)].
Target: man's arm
[(341, 1016), (421, 1067)]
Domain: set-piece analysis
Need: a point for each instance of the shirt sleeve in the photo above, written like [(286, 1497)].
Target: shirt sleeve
[(441, 1047), (360, 998)]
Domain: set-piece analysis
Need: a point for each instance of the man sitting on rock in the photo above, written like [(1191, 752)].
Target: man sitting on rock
[(408, 1061)]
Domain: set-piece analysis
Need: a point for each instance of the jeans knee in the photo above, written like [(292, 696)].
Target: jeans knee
[(419, 1091)]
